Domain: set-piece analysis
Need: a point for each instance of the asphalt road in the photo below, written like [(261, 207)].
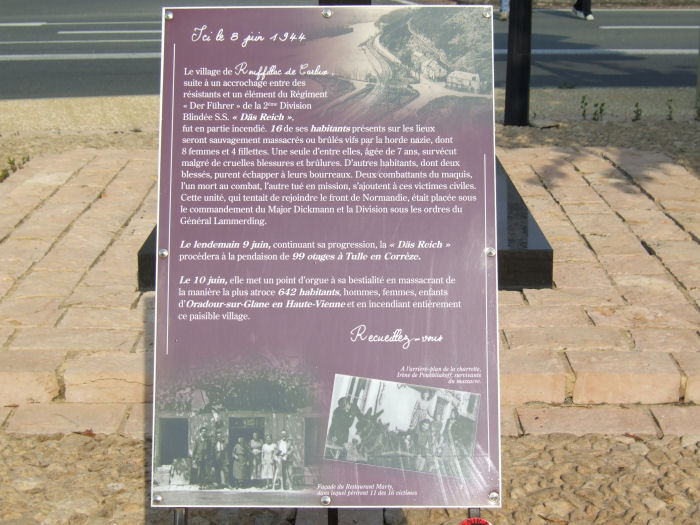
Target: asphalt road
[(84, 48)]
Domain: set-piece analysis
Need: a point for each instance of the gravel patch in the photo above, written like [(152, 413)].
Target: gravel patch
[(560, 478)]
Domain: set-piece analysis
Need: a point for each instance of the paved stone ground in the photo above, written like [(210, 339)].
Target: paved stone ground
[(600, 375), (620, 326)]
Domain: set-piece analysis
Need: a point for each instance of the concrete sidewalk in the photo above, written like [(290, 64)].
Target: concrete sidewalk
[(613, 348)]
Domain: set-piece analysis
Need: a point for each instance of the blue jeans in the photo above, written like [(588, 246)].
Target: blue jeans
[(505, 6)]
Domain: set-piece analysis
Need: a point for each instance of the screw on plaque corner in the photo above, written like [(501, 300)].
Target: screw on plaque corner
[(327, 13), (169, 15)]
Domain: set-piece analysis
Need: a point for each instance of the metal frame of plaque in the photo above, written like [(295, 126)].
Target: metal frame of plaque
[(326, 321)]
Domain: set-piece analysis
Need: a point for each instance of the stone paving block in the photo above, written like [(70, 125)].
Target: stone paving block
[(580, 275), (139, 423), (27, 196), (532, 376), (653, 225), (625, 197), (109, 377), (689, 219), (666, 340), (11, 270), (510, 298), (676, 250), (146, 341), (4, 412), (678, 420), (94, 177), (49, 222), (545, 208), (74, 193), (108, 318), (557, 230), (74, 339), (69, 161), (113, 296), (5, 333), (572, 195), (53, 177), (524, 316), (648, 289), (560, 175), (569, 338), (624, 377), (584, 420), (690, 365), (595, 223), (573, 296), (50, 418), (88, 237), (47, 284), (529, 186), (687, 272), (618, 244), (583, 208), (652, 316), (588, 163), (509, 422), (576, 251), (637, 264), (5, 285), (30, 311), (29, 376), (695, 295), (24, 249), (667, 190)]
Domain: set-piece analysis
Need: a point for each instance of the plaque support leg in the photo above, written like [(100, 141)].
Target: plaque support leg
[(474, 513), (180, 516), (332, 516)]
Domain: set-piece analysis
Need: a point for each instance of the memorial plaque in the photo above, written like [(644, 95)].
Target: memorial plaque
[(326, 326)]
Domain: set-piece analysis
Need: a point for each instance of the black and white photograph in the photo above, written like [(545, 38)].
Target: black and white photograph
[(239, 429), (398, 425)]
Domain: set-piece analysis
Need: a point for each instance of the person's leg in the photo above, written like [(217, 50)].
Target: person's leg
[(505, 9)]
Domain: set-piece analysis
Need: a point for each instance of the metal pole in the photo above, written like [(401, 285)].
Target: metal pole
[(697, 88), (333, 516), (518, 66), (180, 517)]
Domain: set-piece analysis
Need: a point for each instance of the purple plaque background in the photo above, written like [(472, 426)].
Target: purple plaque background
[(316, 340)]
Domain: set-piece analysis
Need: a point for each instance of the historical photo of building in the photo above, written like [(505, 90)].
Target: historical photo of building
[(403, 426)]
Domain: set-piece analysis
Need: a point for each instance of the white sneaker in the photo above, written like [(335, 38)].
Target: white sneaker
[(578, 13), (590, 17)]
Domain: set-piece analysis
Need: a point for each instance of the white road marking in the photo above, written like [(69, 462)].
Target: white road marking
[(22, 24), (649, 27), (114, 41), (601, 52), (77, 56), (110, 32)]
